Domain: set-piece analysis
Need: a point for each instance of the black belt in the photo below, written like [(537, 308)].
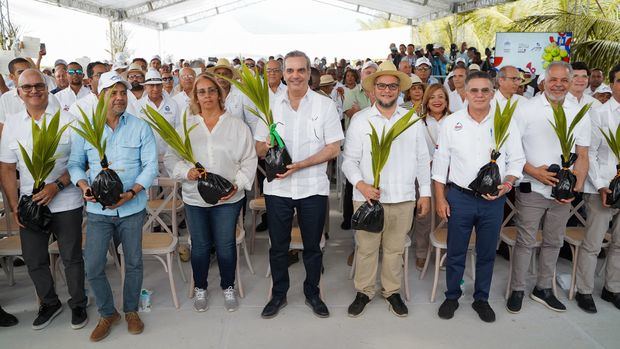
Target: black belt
[(463, 190)]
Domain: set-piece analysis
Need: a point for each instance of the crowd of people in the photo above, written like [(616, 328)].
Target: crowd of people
[(322, 111)]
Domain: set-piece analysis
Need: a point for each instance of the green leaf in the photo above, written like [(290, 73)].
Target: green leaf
[(167, 132)]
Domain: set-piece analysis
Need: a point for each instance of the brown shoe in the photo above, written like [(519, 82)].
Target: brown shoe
[(104, 326), (134, 324), (419, 263), (350, 259)]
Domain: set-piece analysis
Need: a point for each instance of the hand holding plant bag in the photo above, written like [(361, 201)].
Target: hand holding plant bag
[(370, 216), (488, 179), (45, 139), (257, 90), (563, 189), (107, 186), (212, 187), (613, 197)]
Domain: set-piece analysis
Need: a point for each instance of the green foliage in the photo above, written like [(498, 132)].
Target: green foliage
[(91, 128), (613, 140), (501, 122), (166, 131), (564, 131), (45, 140)]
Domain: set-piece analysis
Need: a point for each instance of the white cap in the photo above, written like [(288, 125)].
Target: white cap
[(110, 79), (370, 64), (422, 60), (474, 66), (460, 59), (603, 89), (156, 57), (541, 78), (119, 65), (279, 57), (152, 78)]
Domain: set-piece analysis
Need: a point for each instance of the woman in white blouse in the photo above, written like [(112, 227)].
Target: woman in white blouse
[(224, 145), (435, 107)]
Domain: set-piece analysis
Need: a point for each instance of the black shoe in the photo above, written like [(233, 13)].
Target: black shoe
[(396, 305), (357, 307), (273, 307), (318, 306), (585, 302), (79, 318), (484, 310), (47, 313), (293, 257), (608, 296), (447, 308), (345, 225), (261, 227), (183, 225), (546, 298), (18, 262), (513, 305), (6, 319)]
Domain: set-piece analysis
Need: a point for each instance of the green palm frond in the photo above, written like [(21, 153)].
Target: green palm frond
[(92, 128), (613, 140), (380, 146), (564, 131), (166, 131), (45, 140), (501, 123)]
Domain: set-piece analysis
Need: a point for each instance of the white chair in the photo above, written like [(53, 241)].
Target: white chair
[(10, 244), (574, 236), (257, 206)]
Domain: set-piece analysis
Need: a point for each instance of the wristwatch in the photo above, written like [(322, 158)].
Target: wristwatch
[(133, 193), (59, 185)]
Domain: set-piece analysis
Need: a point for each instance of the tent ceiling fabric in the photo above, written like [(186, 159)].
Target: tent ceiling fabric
[(169, 14)]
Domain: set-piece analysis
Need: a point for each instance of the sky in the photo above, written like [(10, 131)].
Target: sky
[(267, 28)]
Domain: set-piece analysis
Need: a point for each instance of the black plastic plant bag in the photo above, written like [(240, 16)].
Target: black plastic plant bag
[(368, 217), (107, 186), (613, 199), (488, 178), (563, 189), (32, 215), (212, 187), (276, 160)]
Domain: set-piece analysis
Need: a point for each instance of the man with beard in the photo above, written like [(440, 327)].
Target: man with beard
[(76, 89), (89, 102), (313, 135), (408, 161), (135, 76)]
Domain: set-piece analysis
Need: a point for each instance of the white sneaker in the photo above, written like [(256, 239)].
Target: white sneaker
[(230, 299), (200, 300)]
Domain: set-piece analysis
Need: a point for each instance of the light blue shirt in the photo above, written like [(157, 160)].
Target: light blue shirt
[(131, 151)]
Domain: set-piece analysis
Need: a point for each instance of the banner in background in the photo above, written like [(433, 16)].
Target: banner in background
[(532, 52)]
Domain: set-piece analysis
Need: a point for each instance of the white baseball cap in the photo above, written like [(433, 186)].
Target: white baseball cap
[(152, 78), (370, 64), (422, 60), (474, 67), (155, 57), (460, 59), (110, 79)]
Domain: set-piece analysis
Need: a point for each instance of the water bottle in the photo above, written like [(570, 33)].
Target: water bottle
[(145, 301), (462, 285)]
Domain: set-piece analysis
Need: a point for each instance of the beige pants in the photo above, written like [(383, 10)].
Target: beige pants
[(597, 224), (398, 219)]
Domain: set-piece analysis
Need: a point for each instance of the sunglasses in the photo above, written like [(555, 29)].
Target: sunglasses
[(38, 87), (484, 91), (209, 91), (75, 71)]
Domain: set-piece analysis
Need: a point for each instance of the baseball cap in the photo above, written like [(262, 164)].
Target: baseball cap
[(110, 79)]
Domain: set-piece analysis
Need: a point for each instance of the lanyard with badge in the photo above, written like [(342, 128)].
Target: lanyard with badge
[(430, 135)]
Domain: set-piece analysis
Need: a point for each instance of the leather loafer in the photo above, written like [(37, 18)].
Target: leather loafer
[(585, 302), (608, 296), (318, 306), (273, 307)]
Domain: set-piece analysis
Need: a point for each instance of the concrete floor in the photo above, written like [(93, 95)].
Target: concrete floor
[(297, 327)]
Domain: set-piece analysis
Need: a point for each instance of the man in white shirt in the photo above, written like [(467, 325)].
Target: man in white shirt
[(579, 84), (509, 80), (596, 81), (135, 76), (600, 173), (464, 146), (533, 199), (187, 76), (457, 97), (274, 77), (61, 76), (89, 102), (62, 198), (76, 89), (408, 161), (423, 68), (310, 128)]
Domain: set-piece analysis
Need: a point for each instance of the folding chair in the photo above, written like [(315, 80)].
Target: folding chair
[(10, 243), (257, 206), (574, 236)]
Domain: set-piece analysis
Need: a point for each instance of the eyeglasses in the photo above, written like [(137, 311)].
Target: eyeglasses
[(188, 77), (38, 87), (513, 78), (484, 91), (392, 87), (134, 76), (423, 68), (167, 79), (273, 70), (209, 91), (75, 71)]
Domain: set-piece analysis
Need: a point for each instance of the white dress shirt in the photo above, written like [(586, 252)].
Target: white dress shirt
[(305, 132), (169, 109), (18, 130), (585, 99), (465, 146), (236, 105), (281, 88), (502, 100), (540, 143), (456, 102), (11, 103), (87, 103), (408, 159), (182, 100), (133, 102), (603, 162), (431, 133), (66, 97), (227, 150)]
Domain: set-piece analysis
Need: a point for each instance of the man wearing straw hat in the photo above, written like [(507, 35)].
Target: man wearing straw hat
[(408, 160)]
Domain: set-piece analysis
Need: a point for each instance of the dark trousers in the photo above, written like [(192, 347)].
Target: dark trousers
[(347, 203), (67, 228), (311, 216), (467, 212)]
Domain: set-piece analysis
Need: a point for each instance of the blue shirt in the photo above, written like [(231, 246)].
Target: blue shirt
[(131, 151)]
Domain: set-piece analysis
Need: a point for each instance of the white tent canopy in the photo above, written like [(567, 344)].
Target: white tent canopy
[(175, 14)]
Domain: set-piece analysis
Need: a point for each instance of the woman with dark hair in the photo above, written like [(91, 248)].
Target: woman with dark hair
[(414, 96), (351, 79), (435, 107), (223, 144)]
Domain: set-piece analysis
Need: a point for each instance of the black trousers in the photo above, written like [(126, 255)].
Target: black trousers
[(347, 203), (311, 217), (67, 228)]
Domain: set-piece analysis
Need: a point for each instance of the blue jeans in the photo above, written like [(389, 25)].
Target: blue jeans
[(210, 226), (467, 212), (100, 230)]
